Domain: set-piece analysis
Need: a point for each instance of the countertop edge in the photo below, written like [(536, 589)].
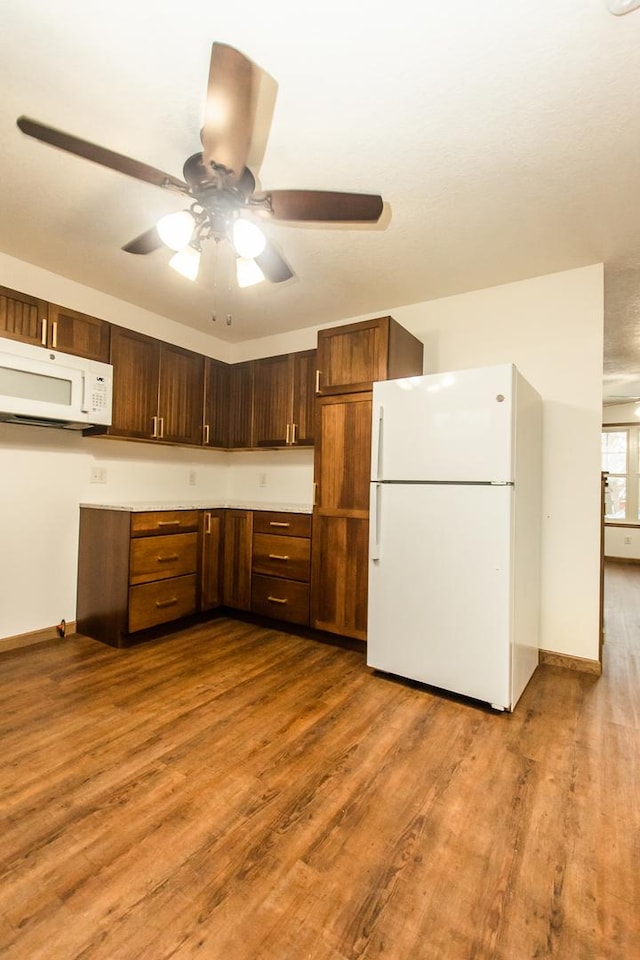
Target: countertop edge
[(139, 506)]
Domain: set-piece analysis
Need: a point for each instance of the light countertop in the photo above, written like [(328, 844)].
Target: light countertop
[(143, 506)]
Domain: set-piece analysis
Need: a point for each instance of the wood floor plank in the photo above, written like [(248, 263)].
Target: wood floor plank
[(235, 792)]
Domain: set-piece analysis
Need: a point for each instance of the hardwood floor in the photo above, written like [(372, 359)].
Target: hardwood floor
[(240, 793)]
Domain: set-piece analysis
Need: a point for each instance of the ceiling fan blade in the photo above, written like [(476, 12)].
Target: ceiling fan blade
[(273, 265), (229, 111), (147, 242), (106, 158), (321, 205)]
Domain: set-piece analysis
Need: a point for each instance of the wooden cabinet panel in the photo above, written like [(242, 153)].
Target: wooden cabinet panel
[(136, 369), (340, 575), (343, 453), (352, 357), (238, 532), (283, 524), (78, 333), (211, 572), (161, 522), (180, 395), (273, 402), (240, 404), (23, 317), (304, 397), (216, 404), (161, 601), (158, 558), (282, 599), (276, 556)]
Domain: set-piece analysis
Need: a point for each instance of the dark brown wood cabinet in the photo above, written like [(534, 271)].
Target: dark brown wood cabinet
[(216, 404), (31, 320), (284, 390), (240, 405), (238, 534), (136, 571), (157, 389), (211, 558), (281, 566), (352, 357)]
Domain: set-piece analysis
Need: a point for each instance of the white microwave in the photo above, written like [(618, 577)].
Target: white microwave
[(46, 388)]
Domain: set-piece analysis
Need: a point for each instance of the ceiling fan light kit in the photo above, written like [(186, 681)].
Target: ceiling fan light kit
[(619, 7), (248, 273), (217, 183)]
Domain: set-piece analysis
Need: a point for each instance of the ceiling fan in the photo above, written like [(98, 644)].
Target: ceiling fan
[(220, 187)]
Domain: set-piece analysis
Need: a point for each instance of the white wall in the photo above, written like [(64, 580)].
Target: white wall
[(551, 327)]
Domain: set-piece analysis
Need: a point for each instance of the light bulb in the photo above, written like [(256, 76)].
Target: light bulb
[(248, 239), (175, 229), (186, 262), (620, 7), (248, 272)]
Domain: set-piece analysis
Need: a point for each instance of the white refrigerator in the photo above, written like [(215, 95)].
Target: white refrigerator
[(454, 551)]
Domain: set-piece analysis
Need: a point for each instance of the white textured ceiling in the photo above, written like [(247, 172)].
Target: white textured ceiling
[(504, 138)]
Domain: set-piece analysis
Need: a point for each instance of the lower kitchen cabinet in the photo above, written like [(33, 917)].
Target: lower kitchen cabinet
[(211, 558), (236, 583), (135, 571), (281, 566)]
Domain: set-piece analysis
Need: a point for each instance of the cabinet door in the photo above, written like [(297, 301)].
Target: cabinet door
[(341, 515), (272, 401), (23, 317), (304, 397), (136, 367), (238, 536), (180, 395), (212, 540), (240, 404), (216, 403), (78, 333), (351, 357)]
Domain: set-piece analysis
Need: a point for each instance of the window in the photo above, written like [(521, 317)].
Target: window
[(621, 460)]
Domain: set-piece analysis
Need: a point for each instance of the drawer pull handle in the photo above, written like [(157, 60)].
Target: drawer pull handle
[(166, 603), (278, 556), (168, 523), (173, 556), (278, 523), (277, 600)]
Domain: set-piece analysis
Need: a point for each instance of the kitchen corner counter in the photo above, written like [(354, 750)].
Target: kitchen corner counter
[(143, 506)]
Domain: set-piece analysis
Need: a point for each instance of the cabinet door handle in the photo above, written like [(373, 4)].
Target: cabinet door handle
[(207, 523), (166, 603), (168, 523), (277, 600), (288, 440), (54, 334), (206, 434), (278, 556), (161, 434), (154, 426), (43, 335), (278, 523), (294, 432), (315, 494), (318, 373), (167, 559)]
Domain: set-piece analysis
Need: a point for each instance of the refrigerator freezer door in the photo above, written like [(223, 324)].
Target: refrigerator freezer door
[(447, 427), (440, 590)]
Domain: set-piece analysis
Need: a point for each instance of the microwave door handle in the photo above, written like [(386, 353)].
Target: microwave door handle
[(85, 405)]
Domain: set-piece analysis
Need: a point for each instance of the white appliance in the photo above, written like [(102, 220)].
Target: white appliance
[(454, 553), (46, 388)]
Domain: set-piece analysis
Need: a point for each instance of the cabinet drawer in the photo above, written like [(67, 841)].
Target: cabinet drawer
[(283, 599), (158, 558), (277, 556), (163, 521), (283, 524), (161, 601)]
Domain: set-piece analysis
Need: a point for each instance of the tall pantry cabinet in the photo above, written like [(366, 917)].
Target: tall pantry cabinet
[(350, 358)]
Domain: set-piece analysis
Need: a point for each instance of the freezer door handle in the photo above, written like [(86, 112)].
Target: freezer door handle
[(374, 521), (376, 451)]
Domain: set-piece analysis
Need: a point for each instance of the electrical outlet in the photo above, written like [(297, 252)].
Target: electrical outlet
[(192, 478), (627, 540), (98, 475), (262, 479)]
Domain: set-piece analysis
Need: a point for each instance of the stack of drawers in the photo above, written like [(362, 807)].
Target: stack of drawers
[(163, 566), (281, 566)]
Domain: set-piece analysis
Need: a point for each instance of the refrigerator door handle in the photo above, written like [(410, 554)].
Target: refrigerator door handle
[(374, 522), (376, 452)]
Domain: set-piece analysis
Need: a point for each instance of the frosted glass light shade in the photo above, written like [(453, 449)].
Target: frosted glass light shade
[(248, 239), (248, 272), (175, 229), (618, 7), (186, 262)]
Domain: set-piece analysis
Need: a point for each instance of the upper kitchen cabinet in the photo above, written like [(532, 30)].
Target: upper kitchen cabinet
[(352, 357), (216, 403), (157, 389), (27, 318), (284, 400), (239, 405)]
